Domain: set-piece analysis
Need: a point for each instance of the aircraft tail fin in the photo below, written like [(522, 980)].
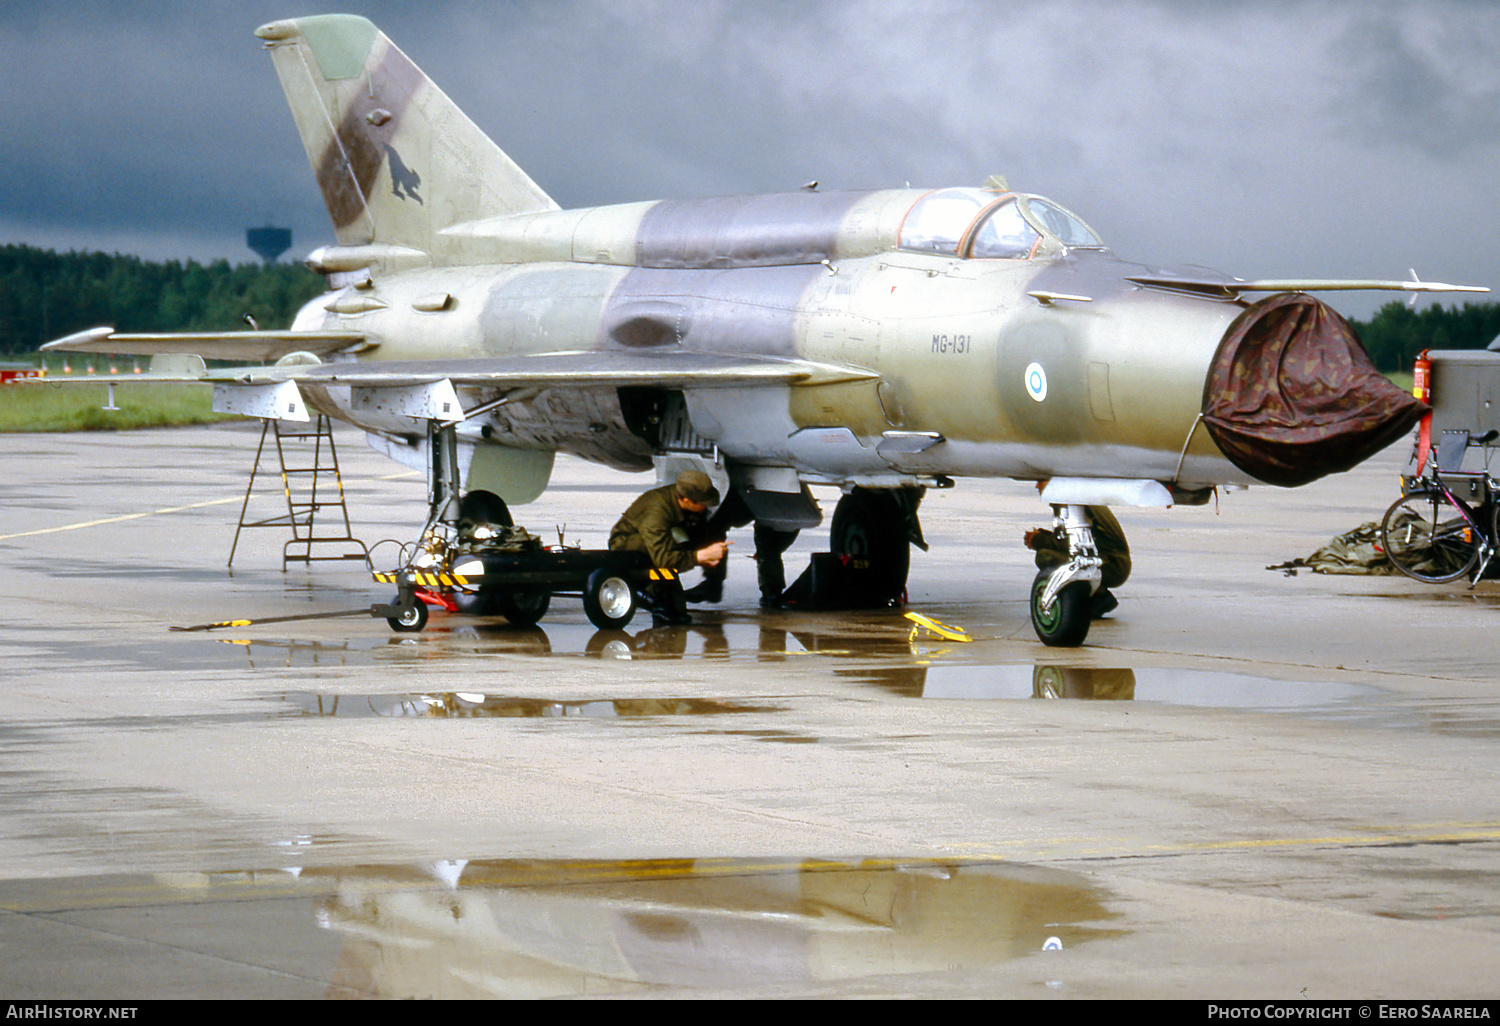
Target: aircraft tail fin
[(395, 158)]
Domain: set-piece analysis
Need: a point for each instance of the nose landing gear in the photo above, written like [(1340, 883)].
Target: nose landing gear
[(1061, 595)]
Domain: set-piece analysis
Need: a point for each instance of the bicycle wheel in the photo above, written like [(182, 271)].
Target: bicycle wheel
[(1493, 570), (1429, 537)]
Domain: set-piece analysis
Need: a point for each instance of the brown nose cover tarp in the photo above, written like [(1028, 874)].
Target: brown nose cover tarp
[(1291, 394)]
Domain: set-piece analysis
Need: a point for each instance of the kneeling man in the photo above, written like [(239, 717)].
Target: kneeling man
[(669, 524)]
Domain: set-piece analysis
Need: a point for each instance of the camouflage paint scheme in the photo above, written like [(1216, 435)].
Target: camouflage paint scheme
[(843, 338)]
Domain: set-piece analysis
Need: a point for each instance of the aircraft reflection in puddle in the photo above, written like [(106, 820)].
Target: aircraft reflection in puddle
[(1003, 681), (758, 641), (473, 705), (1167, 685), (515, 928), (876, 652)]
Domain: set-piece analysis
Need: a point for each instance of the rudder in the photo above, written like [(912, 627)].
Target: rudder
[(395, 158)]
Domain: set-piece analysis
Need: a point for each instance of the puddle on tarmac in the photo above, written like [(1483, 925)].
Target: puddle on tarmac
[(741, 641), (471, 705), (869, 651), (1361, 705), (1168, 685), (517, 928), (1171, 686), (138, 648)]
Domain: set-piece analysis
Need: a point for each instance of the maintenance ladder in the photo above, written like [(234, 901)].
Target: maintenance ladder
[(304, 501)]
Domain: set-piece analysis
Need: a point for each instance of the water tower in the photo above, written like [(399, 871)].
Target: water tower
[(268, 243)]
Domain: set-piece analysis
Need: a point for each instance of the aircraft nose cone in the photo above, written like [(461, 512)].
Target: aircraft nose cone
[(1292, 396)]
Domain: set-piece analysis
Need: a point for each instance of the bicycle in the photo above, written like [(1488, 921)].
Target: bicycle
[(1432, 535)]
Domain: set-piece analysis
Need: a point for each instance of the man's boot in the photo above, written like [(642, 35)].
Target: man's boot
[(711, 588), (667, 606)]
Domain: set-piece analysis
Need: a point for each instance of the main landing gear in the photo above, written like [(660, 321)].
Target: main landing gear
[(870, 541), (871, 525), (1061, 595), (441, 560)]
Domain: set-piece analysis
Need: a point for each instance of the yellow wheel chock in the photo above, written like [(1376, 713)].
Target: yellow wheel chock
[(942, 630)]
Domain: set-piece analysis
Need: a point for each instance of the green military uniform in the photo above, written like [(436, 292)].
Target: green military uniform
[(671, 536), (1109, 538), (656, 525)]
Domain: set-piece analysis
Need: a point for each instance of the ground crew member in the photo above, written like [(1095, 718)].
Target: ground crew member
[(669, 524)]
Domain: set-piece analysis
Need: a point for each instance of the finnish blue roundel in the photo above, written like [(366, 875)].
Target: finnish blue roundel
[(1036, 382)]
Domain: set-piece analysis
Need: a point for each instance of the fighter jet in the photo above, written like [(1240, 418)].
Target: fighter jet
[(884, 342)]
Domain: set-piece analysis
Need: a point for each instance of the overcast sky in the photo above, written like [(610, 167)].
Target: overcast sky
[(1260, 137)]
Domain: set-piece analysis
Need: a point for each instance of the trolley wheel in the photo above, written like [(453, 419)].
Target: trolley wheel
[(609, 601), (611, 644), (1429, 537), (1066, 623), (410, 620), (525, 606)]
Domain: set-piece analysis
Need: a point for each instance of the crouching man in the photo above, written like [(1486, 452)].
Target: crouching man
[(669, 524)]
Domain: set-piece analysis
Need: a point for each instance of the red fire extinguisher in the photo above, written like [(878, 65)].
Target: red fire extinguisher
[(1421, 389), (1421, 378)]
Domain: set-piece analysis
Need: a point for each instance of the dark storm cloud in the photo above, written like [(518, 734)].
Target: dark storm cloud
[(1264, 137), (1430, 85), (136, 125)]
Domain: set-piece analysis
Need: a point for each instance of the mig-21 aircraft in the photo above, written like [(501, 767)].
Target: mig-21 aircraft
[(884, 342)]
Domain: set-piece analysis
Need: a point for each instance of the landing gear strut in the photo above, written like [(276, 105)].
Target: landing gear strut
[(1060, 595)]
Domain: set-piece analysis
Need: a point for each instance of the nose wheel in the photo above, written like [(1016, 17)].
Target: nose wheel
[(1064, 623)]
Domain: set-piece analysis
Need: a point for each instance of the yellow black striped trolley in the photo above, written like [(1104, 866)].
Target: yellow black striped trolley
[(520, 585)]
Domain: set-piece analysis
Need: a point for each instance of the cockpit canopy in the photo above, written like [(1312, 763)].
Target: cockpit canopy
[(987, 225)]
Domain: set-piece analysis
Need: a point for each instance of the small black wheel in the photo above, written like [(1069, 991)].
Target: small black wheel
[(525, 606), (411, 620), (1430, 538), (1066, 623), (609, 601)]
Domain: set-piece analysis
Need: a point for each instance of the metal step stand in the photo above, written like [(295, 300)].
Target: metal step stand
[(304, 500)]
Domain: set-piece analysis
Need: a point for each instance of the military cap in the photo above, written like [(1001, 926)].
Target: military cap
[(696, 486)]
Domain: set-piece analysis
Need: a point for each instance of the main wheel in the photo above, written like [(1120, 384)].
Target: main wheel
[(1430, 538), (524, 606), (484, 507), (410, 621), (608, 600), (870, 523), (1066, 622)]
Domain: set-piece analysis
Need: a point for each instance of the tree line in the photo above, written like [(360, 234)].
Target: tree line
[(45, 295), (1397, 333)]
